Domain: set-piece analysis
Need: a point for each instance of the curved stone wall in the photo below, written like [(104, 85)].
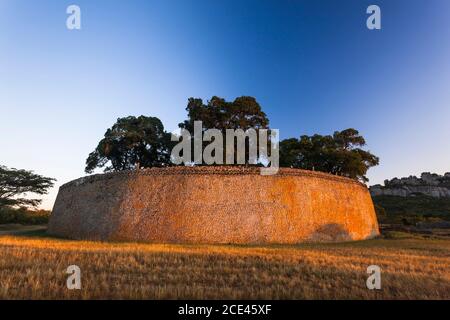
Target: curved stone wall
[(214, 205)]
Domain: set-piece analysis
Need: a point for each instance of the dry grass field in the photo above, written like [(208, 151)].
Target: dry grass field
[(32, 266)]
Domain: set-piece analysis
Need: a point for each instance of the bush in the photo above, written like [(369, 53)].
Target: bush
[(411, 210), (381, 213), (23, 216)]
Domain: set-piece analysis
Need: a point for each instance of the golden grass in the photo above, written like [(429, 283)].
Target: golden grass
[(33, 267)]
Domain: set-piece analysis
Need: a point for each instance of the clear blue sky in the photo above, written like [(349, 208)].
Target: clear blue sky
[(313, 66)]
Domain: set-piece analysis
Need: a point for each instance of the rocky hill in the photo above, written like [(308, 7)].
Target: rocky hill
[(429, 184)]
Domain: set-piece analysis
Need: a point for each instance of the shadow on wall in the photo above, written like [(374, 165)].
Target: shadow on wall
[(330, 232)]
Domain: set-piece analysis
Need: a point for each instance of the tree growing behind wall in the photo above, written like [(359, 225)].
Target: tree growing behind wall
[(142, 142), (132, 142), (16, 184), (243, 113), (339, 154)]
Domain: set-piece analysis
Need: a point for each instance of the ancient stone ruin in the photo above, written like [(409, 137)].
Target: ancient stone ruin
[(214, 205), (429, 184)]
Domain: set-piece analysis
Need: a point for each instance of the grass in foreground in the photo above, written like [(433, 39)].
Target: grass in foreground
[(32, 266)]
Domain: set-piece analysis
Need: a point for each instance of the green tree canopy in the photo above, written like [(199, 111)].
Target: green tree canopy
[(339, 154), (15, 184), (242, 113), (132, 142)]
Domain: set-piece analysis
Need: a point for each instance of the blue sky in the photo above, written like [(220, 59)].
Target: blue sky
[(313, 66)]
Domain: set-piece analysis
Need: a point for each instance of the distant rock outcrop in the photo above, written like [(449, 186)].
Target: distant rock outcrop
[(429, 184)]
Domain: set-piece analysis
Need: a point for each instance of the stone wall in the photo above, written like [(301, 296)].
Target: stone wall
[(214, 205)]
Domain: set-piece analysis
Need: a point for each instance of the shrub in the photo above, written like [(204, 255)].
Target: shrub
[(411, 210), (381, 213), (23, 216)]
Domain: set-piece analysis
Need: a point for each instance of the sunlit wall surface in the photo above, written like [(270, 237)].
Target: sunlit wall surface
[(313, 66)]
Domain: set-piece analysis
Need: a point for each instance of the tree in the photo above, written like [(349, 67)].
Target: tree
[(339, 154), (242, 113), (132, 142), (15, 184)]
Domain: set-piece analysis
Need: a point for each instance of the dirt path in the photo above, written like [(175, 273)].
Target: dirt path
[(11, 229)]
